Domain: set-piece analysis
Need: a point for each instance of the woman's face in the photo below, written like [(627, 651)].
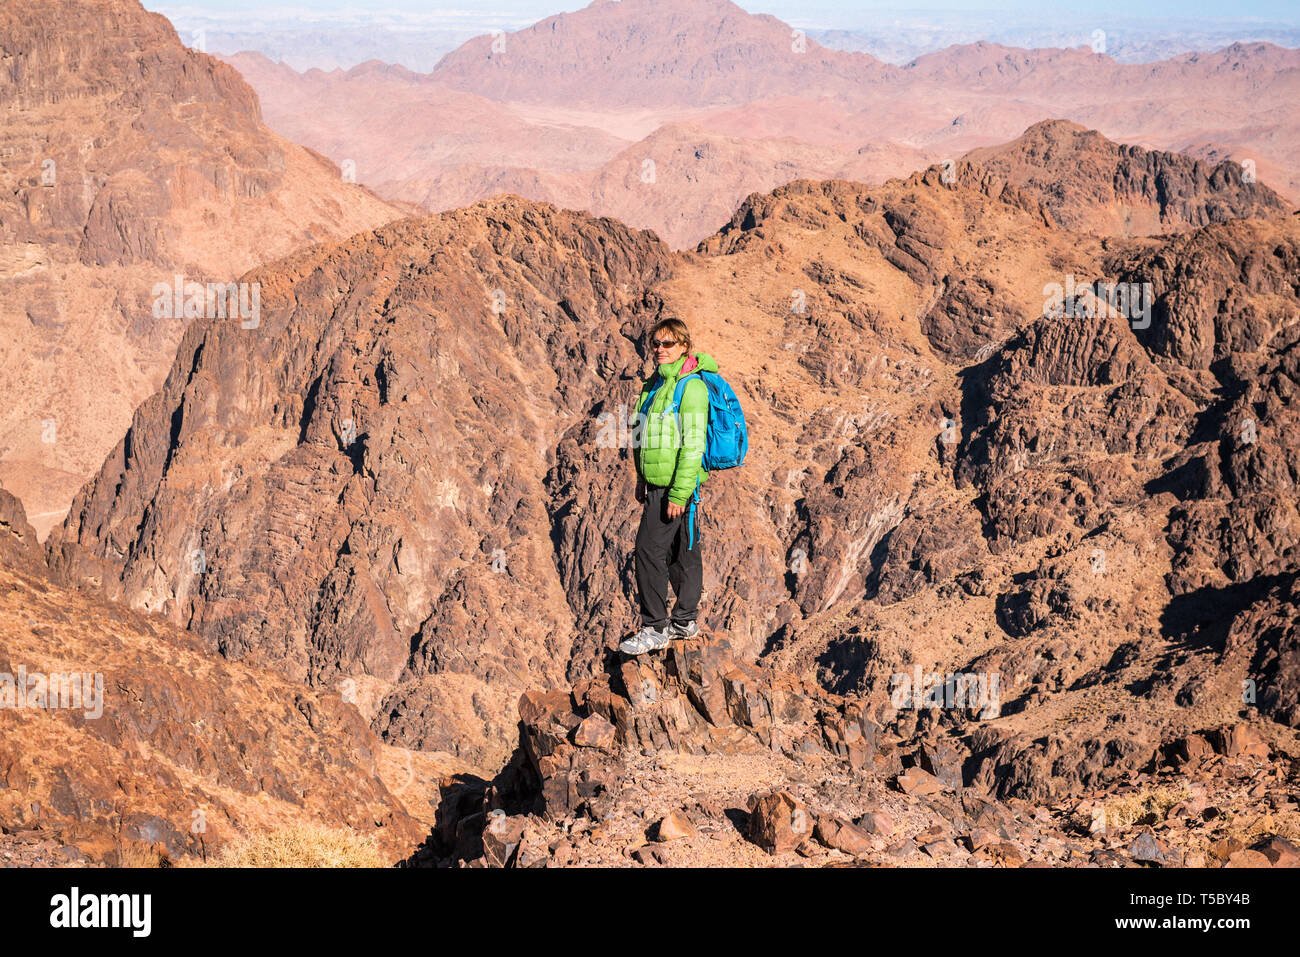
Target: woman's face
[(666, 354)]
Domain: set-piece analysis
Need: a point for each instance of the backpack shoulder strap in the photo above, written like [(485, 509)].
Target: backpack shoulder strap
[(650, 396), (681, 387)]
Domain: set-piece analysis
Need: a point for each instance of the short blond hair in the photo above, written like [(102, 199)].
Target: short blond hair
[(676, 327)]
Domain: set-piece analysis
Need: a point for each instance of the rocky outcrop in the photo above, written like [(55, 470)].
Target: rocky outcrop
[(1091, 184), (18, 545), (1229, 336), (1269, 630), (593, 782)]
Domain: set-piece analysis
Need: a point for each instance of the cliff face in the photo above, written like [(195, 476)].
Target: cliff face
[(18, 545), (365, 474), (126, 159)]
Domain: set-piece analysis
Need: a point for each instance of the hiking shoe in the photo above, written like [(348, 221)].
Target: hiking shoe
[(647, 639), (688, 630)]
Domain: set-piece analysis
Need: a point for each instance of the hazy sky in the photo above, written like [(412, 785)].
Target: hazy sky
[(816, 13)]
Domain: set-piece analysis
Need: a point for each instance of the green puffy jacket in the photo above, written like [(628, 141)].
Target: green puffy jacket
[(662, 457)]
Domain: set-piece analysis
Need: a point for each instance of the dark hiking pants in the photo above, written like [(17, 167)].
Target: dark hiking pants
[(662, 556)]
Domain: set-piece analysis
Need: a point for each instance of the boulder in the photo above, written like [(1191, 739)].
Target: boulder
[(778, 821)]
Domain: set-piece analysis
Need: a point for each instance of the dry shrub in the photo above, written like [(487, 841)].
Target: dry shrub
[(1147, 806), (135, 854), (300, 845)]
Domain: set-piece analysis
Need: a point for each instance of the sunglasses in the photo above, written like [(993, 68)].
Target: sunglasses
[(664, 343)]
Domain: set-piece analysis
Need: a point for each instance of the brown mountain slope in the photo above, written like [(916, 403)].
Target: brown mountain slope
[(385, 495), (1071, 535), (370, 115), (669, 182), (923, 303), (125, 160), (678, 179), (411, 505), (169, 749), (682, 180), (1092, 185)]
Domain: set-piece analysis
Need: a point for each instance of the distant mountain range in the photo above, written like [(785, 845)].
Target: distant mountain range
[(667, 114), (344, 39)]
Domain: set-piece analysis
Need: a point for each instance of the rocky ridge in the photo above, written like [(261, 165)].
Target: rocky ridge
[(1091, 184)]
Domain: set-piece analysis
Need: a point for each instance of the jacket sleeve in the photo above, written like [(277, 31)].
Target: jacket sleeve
[(695, 425)]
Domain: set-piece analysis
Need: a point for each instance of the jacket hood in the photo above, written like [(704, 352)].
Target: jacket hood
[(689, 362)]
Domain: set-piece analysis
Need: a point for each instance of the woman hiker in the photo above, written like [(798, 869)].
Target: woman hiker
[(669, 474)]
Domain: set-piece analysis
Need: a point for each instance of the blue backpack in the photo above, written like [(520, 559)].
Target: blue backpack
[(726, 439)]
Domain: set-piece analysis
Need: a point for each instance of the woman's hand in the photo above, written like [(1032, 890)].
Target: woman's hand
[(640, 490), (675, 510)]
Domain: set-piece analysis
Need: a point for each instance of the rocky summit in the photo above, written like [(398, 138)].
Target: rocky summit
[(1091, 184), (1009, 575)]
